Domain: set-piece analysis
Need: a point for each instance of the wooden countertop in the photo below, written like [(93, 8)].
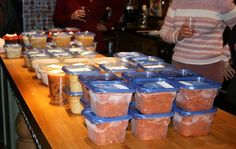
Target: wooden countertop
[(61, 130)]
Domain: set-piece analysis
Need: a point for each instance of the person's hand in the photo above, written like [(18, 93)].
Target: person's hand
[(229, 71), (185, 32), (101, 27), (79, 14)]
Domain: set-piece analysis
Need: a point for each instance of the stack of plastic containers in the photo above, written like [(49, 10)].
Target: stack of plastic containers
[(107, 119), (153, 101), (194, 111)]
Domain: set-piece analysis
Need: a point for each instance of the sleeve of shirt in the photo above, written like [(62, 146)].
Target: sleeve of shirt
[(229, 13), (168, 32)]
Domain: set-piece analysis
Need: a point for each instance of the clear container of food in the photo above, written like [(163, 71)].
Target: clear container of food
[(156, 67), (150, 126), (55, 50), (84, 78), (154, 95), (85, 38), (193, 124), (26, 55), (176, 73), (13, 50), (56, 79), (124, 56), (61, 39), (72, 73), (104, 131), (110, 98), (73, 99), (144, 60), (38, 40), (37, 56), (196, 93), (129, 76), (26, 36)]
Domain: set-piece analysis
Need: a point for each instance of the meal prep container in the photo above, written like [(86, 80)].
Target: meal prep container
[(13, 50), (124, 56), (85, 38), (144, 60), (61, 39), (156, 67), (73, 99), (38, 40), (129, 76)]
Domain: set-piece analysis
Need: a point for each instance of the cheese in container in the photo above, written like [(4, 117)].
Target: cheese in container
[(129, 76), (84, 78), (150, 126), (196, 93), (156, 67), (193, 124), (124, 56), (72, 73), (13, 50), (177, 73), (110, 98), (73, 99), (154, 95), (144, 60), (105, 131)]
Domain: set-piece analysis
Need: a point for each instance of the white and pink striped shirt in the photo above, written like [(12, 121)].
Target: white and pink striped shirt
[(209, 18)]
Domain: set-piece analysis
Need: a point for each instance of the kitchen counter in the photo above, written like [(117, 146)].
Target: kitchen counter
[(55, 127)]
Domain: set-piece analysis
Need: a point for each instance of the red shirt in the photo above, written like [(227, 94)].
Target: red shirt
[(64, 9)]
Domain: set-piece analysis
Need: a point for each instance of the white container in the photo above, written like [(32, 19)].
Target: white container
[(13, 50), (73, 99)]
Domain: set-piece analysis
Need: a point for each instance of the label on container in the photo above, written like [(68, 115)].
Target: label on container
[(119, 86), (154, 66), (79, 69), (164, 84), (186, 83), (117, 67)]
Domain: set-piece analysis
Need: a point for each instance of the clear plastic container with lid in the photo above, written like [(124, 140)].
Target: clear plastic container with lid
[(13, 50), (27, 54), (73, 99), (37, 56), (176, 73), (154, 95), (104, 131), (72, 73), (129, 76), (85, 38), (110, 98), (38, 40), (150, 126), (193, 124), (126, 55), (118, 68), (196, 93), (156, 67), (84, 78), (144, 60), (61, 39), (55, 50), (26, 37)]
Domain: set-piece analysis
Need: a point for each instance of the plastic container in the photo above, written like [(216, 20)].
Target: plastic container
[(55, 50), (26, 38), (196, 93), (56, 79), (72, 73), (37, 56), (13, 50), (129, 76), (150, 126), (36, 63), (104, 131), (38, 40), (177, 73), (110, 98), (144, 60), (118, 68), (156, 67), (126, 55), (73, 99), (155, 95), (85, 38), (61, 39), (193, 123), (106, 60), (84, 78), (62, 56), (27, 55)]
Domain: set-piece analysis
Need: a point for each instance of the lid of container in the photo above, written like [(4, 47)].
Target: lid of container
[(62, 54), (56, 50), (38, 35), (57, 72), (175, 73), (13, 45), (187, 113), (38, 55), (34, 51), (98, 77), (157, 66), (10, 37), (84, 53), (137, 115), (84, 102), (80, 69), (85, 33), (54, 30), (137, 75), (118, 67), (72, 29), (193, 83), (76, 49), (109, 87), (145, 60), (61, 34), (94, 119), (128, 55), (155, 85), (28, 33), (74, 93)]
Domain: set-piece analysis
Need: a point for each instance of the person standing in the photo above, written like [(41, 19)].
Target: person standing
[(196, 28), (86, 15)]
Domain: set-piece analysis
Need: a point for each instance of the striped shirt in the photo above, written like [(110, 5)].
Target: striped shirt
[(209, 18)]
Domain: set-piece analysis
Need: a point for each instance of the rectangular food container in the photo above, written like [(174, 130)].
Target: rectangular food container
[(13, 50), (156, 67), (37, 56), (144, 60), (104, 131), (196, 93), (129, 76), (177, 73), (110, 98), (150, 126), (194, 124), (73, 99), (154, 95), (124, 56)]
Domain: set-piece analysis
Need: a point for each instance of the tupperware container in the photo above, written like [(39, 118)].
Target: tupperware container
[(61, 39), (110, 98), (150, 126), (196, 93), (62, 56), (85, 38), (154, 95), (196, 123), (144, 60), (176, 73), (156, 67), (13, 50), (124, 56), (129, 76), (72, 73), (56, 79), (73, 99), (55, 50), (26, 37), (84, 78), (36, 63), (38, 40), (37, 56), (104, 131), (118, 68), (27, 54)]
